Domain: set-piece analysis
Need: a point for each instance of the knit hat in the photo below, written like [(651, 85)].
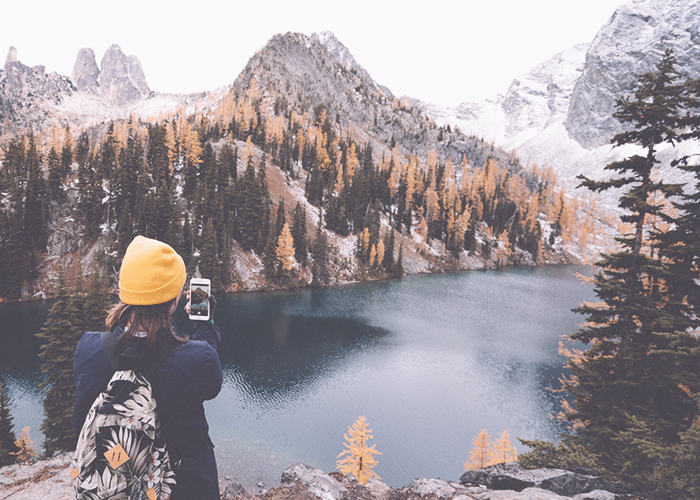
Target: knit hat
[(151, 273)]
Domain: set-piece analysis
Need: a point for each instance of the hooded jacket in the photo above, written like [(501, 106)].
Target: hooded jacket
[(180, 385)]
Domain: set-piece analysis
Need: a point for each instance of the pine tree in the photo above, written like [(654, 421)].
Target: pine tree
[(61, 334), (320, 269), (299, 235), (209, 264), (633, 368), (7, 434), (97, 301), (360, 457)]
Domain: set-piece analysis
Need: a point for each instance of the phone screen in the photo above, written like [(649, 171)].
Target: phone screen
[(199, 299)]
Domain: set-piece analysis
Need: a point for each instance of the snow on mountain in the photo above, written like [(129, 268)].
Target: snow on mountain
[(560, 112)]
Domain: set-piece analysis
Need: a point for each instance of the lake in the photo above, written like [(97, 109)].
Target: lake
[(429, 360)]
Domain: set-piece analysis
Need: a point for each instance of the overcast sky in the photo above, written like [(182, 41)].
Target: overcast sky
[(444, 52)]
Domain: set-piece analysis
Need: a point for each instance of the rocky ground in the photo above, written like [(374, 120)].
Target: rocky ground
[(50, 480)]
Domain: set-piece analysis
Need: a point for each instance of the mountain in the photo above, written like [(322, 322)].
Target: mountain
[(560, 112), (388, 188), (31, 98), (318, 70)]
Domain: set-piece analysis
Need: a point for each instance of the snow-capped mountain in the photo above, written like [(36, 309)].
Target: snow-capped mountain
[(560, 112)]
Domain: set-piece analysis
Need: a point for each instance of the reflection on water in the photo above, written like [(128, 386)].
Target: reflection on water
[(429, 360)]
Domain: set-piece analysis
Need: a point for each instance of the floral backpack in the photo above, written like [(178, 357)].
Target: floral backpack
[(120, 454)]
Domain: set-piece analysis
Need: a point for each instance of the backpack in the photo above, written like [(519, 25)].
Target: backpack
[(120, 453)]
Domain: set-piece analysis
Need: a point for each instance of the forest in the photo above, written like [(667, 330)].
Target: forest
[(199, 182)]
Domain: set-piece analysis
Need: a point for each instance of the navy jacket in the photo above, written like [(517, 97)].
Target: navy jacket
[(191, 375)]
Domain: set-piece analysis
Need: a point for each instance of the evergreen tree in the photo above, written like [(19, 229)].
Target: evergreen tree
[(320, 271), (97, 301), (56, 176), (270, 253), (633, 367), (209, 263), (61, 334), (299, 235), (7, 434), (35, 210), (250, 213), (90, 194), (398, 269)]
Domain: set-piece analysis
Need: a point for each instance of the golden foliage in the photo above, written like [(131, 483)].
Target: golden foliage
[(285, 249), (503, 451), (479, 456), (486, 453), (26, 450), (360, 458)]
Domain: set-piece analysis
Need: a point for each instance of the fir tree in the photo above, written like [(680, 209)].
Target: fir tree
[(97, 301), (209, 264), (299, 235), (7, 434), (633, 368), (319, 268), (60, 334)]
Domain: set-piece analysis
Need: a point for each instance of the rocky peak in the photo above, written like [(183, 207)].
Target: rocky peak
[(627, 46), (86, 73), (121, 79), (335, 47)]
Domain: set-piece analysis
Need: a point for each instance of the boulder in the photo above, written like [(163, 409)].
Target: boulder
[(315, 480), (513, 477), (437, 487), (232, 489)]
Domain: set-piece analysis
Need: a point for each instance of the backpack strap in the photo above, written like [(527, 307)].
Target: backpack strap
[(109, 342)]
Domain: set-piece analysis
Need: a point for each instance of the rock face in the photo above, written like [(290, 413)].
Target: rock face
[(121, 79), (85, 72), (627, 46), (27, 94)]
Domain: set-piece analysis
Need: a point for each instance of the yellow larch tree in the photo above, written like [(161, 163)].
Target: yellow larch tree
[(360, 457), (285, 249), (504, 250), (372, 255), (171, 144), (365, 239), (25, 448), (351, 162), (381, 249), (502, 451), (479, 456)]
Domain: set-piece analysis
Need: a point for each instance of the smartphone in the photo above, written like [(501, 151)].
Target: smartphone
[(200, 288)]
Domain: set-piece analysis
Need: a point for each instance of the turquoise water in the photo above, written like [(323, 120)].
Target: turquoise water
[(429, 360)]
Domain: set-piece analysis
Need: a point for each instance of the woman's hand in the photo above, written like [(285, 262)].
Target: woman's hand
[(187, 306)]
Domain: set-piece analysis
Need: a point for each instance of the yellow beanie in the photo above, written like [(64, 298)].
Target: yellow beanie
[(151, 273)]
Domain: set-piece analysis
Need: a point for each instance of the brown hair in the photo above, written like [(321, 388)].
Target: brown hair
[(154, 320)]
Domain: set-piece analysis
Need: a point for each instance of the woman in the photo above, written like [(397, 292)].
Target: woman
[(151, 280)]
